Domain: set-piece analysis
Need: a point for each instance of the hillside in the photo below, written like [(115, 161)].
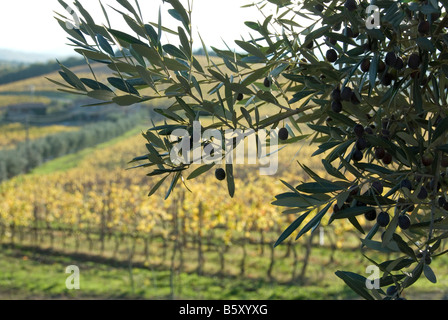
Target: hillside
[(22, 72), (15, 56)]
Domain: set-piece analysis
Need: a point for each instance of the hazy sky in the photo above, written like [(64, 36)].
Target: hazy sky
[(29, 25)]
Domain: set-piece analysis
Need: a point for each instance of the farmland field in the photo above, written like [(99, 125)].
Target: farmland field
[(96, 215), (84, 208)]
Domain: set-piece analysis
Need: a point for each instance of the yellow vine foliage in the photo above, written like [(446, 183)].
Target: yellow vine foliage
[(99, 194)]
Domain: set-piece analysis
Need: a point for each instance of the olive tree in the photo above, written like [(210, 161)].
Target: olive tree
[(366, 80)]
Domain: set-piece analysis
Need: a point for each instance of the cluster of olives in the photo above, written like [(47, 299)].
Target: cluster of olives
[(362, 143), (382, 218), (393, 63), (389, 67), (338, 96)]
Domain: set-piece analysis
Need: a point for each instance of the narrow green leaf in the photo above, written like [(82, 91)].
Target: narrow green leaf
[(339, 151), (356, 282), (229, 99), (378, 246), (342, 118), (256, 75), (417, 96), (174, 51), (239, 88), (356, 224), (184, 41), (137, 56), (217, 75), (124, 38), (313, 223), (375, 200), (189, 111), (130, 8), (105, 45), (173, 184), (95, 85), (154, 139), (376, 34), (126, 100), (267, 97), (429, 274), (73, 78), (319, 187), (230, 180), (403, 246), (146, 76), (122, 67), (181, 11), (94, 55), (373, 168), (296, 200), (246, 46), (105, 13), (291, 228), (151, 32), (350, 212), (175, 65), (196, 173), (414, 275), (149, 53), (441, 129), (60, 83), (157, 186), (104, 95), (373, 71), (159, 26), (396, 265), (74, 33), (135, 26), (122, 85), (247, 116), (332, 170)]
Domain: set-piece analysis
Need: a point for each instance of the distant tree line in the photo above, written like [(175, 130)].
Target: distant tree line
[(201, 52), (37, 69), (29, 155)]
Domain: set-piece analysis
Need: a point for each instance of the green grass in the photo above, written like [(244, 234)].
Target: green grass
[(38, 272), (33, 274), (72, 160)]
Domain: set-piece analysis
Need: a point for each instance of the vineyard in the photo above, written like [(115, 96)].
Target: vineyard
[(100, 203), (14, 133), (98, 208)]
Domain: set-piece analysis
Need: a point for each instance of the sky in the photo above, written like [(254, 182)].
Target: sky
[(29, 25)]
